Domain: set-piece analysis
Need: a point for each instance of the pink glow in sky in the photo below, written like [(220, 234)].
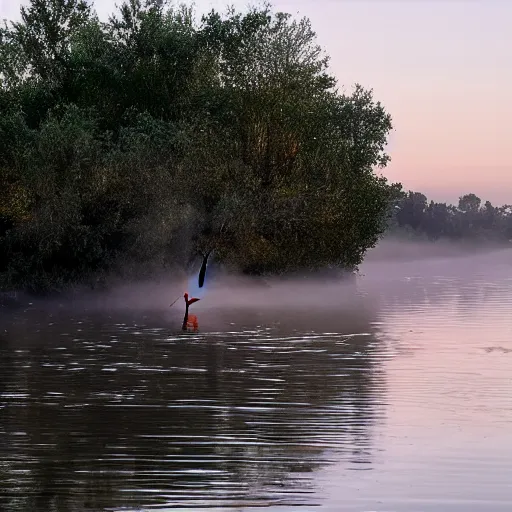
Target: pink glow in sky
[(442, 68)]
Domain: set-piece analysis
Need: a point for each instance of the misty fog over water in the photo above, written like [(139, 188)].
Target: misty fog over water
[(387, 392)]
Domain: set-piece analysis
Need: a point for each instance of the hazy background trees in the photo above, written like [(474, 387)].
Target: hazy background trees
[(415, 216)]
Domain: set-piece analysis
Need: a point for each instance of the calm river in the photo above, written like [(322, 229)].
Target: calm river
[(390, 394)]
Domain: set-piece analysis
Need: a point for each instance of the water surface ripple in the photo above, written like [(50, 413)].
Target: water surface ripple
[(406, 406), (101, 415)]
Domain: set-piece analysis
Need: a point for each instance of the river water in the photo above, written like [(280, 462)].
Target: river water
[(393, 393)]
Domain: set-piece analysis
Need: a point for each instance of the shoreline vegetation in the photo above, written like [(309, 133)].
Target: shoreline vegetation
[(131, 147)]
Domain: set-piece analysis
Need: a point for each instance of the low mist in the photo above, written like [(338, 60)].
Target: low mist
[(392, 258), (307, 303)]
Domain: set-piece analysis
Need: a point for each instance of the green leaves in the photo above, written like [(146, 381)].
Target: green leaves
[(45, 32), (134, 143)]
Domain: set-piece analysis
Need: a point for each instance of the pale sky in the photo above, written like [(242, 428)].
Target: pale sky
[(441, 68)]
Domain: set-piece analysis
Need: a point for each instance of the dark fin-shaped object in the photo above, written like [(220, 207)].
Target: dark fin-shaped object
[(202, 272)]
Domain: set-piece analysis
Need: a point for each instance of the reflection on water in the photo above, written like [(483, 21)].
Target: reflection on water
[(101, 412), (402, 405)]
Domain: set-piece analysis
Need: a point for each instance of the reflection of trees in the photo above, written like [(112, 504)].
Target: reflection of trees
[(185, 418), (455, 284)]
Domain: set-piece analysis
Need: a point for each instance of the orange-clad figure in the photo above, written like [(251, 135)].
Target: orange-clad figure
[(189, 320), (192, 323)]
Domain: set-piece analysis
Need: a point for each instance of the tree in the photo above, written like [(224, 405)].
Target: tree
[(440, 220), (45, 33), (411, 210), (304, 154), (469, 203), (136, 143)]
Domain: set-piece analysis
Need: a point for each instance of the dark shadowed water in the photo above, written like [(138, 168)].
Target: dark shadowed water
[(393, 394)]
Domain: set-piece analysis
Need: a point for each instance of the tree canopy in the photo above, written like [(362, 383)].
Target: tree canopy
[(469, 220), (136, 143)]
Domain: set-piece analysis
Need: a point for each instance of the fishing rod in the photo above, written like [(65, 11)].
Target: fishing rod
[(174, 302)]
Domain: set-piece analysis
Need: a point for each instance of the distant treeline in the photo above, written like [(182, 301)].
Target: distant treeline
[(133, 145), (414, 216)]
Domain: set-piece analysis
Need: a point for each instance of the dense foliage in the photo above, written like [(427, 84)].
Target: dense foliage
[(134, 144), (415, 217)]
